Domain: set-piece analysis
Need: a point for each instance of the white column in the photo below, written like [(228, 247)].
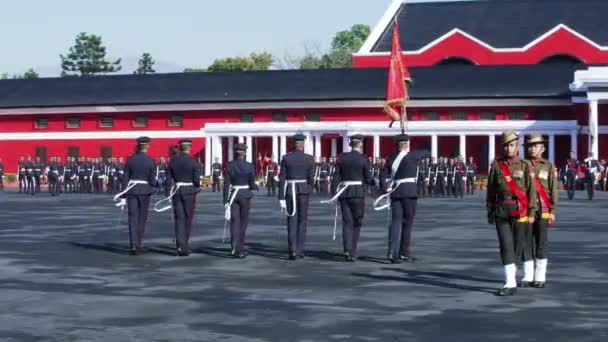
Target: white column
[(219, 149), (208, 142), (463, 146), (283, 147), (241, 139), (275, 148), (334, 147), (249, 142), (593, 129), (376, 146), (491, 149), (230, 148), (308, 144), (434, 146), (574, 142), (551, 152), (345, 143), (522, 149), (318, 145)]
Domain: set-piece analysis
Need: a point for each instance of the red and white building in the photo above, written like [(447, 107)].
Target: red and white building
[(479, 67)]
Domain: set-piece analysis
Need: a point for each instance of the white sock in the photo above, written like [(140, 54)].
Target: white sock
[(528, 271), (541, 270), (510, 271)]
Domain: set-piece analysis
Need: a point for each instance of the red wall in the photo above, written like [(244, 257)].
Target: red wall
[(458, 45)]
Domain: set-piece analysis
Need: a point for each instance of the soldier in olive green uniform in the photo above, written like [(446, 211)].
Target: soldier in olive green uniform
[(511, 205), (545, 179)]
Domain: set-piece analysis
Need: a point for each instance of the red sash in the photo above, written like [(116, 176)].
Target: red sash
[(522, 199), (545, 202)]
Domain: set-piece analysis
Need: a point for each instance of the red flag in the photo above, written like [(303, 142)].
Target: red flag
[(396, 90)]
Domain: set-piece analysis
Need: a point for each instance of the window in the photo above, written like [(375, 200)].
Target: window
[(544, 115), (431, 116), (279, 117), (456, 61), (313, 116), (461, 116), (106, 122), (73, 123), (73, 151), (105, 152), (517, 116), (246, 117), (41, 123), (487, 116), (140, 121), (176, 120)]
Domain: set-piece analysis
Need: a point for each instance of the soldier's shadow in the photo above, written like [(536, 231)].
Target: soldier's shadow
[(266, 251), (218, 252), (106, 247), (435, 279)]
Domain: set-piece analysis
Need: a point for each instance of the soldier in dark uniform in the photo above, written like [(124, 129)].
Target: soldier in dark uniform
[(29, 175), (422, 171), (53, 177), (545, 178), (460, 177), (69, 174), (296, 182), (161, 173), (401, 169), (1, 175), (239, 182), (111, 174), (450, 173), (571, 168), (432, 175), (272, 171), (138, 183), (182, 185), (98, 175), (442, 182), (471, 169), (591, 168), (511, 204), (83, 178), (120, 174), (324, 176), (22, 179), (216, 175), (348, 186), (38, 167)]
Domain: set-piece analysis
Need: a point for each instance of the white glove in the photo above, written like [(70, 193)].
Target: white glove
[(226, 206), (283, 204), (122, 203)]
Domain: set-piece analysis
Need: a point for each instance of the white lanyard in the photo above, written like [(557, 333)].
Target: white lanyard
[(168, 199), (293, 183), (394, 185), (339, 191)]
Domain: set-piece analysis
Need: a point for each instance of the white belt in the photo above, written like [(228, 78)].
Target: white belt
[(171, 194), (234, 190), (132, 183), (30, 170), (394, 185), (293, 183), (339, 191), (55, 171)]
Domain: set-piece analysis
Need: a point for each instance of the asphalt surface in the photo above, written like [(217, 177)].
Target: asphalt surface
[(65, 276)]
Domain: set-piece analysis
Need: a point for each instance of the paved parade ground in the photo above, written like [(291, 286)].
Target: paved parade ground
[(65, 276)]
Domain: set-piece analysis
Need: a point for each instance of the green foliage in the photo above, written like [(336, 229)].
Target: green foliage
[(255, 61), (30, 73), (146, 65), (10, 177), (195, 70), (87, 57)]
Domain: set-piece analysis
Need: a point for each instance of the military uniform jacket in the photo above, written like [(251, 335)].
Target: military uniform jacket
[(216, 170), (546, 173), (70, 169), (29, 168), (471, 170), (324, 170), (54, 170), (500, 200), (140, 167), (183, 168), (407, 169), (162, 169), (297, 165), (571, 166), (37, 168), (352, 166), (239, 173)]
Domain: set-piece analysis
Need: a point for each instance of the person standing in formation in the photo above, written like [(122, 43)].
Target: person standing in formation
[(239, 182), (1, 175), (350, 179), (460, 178), (401, 193), (181, 187), (161, 173), (511, 205), (216, 174), (69, 174), (471, 169), (53, 176), (271, 175), (138, 183), (296, 182), (545, 178), (571, 169)]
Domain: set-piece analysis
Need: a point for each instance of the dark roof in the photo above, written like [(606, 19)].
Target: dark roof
[(500, 23), (437, 82)]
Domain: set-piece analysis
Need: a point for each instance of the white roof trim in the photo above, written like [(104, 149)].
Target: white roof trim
[(590, 78), (486, 45), (380, 27)]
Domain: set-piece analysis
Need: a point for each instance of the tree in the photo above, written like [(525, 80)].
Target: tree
[(255, 61), (146, 64), (87, 57), (31, 73)]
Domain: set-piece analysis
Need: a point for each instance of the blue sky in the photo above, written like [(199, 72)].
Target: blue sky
[(178, 33)]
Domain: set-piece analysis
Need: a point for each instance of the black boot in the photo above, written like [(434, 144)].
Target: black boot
[(348, 257), (293, 256), (393, 258), (538, 284), (506, 291)]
